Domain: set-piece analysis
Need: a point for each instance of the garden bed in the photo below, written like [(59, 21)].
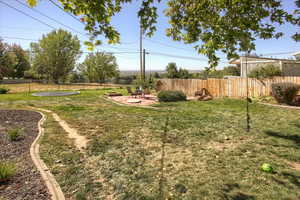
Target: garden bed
[(27, 183)]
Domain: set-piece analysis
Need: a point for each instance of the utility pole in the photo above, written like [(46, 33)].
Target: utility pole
[(144, 71), (141, 52)]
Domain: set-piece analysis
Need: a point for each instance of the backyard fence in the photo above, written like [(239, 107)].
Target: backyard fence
[(232, 87)]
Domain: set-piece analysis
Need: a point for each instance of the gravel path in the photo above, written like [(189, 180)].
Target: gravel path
[(27, 184)]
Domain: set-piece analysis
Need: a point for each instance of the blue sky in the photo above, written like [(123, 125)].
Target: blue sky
[(16, 25)]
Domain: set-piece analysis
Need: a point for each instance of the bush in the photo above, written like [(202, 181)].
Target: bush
[(171, 96), (7, 170), (285, 92), (266, 71), (296, 101), (148, 83), (14, 134), (3, 90)]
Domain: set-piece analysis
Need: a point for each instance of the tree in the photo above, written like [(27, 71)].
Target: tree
[(7, 60), (99, 66), (229, 26), (172, 71), (265, 71), (21, 63), (232, 71), (156, 75), (183, 73), (55, 55)]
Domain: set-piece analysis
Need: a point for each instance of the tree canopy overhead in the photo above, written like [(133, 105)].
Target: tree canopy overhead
[(229, 26)]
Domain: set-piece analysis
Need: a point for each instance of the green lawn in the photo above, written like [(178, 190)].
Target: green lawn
[(204, 151)]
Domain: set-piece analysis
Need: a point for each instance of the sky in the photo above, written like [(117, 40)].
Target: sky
[(17, 28)]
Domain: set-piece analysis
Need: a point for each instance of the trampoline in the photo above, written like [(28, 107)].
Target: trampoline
[(54, 94)]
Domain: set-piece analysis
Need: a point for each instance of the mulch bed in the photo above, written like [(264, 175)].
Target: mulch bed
[(27, 184)]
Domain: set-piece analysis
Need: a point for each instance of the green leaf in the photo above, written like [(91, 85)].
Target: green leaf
[(32, 3)]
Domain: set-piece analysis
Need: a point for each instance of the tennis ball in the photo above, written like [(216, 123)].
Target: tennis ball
[(267, 168)]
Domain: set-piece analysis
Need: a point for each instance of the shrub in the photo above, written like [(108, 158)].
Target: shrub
[(3, 90), (285, 92), (7, 170), (171, 96), (296, 101), (14, 134), (148, 83), (266, 71)]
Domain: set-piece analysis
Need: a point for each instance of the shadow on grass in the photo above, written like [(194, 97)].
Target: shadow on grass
[(228, 194), (292, 137), (297, 125), (292, 178)]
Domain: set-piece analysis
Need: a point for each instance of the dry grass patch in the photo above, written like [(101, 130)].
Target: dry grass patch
[(26, 87), (205, 154)]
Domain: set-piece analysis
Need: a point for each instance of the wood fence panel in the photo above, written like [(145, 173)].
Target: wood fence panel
[(235, 87)]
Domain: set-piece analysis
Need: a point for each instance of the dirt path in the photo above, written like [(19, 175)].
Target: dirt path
[(79, 140)]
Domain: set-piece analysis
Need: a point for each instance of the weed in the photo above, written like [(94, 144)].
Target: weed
[(14, 134), (7, 170), (70, 108), (4, 90)]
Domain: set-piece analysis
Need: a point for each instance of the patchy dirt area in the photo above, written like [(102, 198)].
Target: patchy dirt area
[(79, 140), (296, 166), (27, 184)]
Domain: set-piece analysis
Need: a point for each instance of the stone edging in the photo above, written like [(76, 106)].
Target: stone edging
[(127, 105), (53, 187), (280, 106)]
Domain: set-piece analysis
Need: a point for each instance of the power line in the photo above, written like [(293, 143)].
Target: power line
[(174, 47), (279, 53), (61, 8), (20, 11), (163, 44), (21, 28), (18, 38), (30, 39), (37, 11), (121, 52), (181, 57), (129, 43), (177, 56)]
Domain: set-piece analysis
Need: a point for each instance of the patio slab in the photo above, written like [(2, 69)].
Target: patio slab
[(128, 100)]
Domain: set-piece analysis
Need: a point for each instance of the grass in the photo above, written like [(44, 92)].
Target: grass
[(203, 152), (14, 134), (7, 170), (30, 87)]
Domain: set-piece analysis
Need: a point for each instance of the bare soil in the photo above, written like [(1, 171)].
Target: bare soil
[(27, 184)]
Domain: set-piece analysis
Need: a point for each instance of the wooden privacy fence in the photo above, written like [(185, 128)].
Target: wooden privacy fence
[(232, 87)]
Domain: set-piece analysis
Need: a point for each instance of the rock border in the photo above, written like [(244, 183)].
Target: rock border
[(280, 106), (127, 105), (53, 187)]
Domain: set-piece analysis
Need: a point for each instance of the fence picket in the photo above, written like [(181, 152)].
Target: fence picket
[(234, 87)]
